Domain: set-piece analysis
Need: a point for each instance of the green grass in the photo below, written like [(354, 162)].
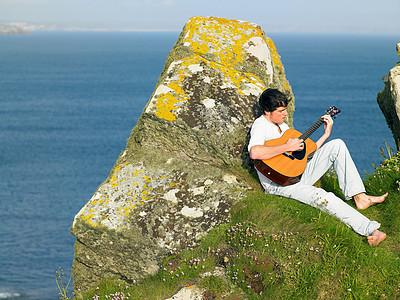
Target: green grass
[(278, 248)]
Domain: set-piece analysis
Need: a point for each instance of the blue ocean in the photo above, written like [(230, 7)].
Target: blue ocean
[(69, 100)]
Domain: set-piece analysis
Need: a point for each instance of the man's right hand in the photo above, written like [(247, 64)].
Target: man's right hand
[(295, 144)]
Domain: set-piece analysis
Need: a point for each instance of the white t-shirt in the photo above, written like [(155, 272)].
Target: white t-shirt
[(263, 130)]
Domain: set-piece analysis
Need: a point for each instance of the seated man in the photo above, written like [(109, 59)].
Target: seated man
[(271, 125)]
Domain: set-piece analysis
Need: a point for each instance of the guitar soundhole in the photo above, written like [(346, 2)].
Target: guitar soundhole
[(299, 154)]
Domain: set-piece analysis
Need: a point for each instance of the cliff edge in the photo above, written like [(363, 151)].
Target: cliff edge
[(389, 100), (184, 164)]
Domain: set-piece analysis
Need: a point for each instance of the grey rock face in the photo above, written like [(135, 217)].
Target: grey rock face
[(389, 100), (184, 164)]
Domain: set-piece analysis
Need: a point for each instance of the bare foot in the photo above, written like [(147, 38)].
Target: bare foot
[(376, 237), (364, 201)]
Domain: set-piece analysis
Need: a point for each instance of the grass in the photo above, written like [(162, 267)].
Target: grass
[(278, 248)]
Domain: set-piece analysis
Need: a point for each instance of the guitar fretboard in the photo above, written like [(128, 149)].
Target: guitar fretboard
[(311, 130)]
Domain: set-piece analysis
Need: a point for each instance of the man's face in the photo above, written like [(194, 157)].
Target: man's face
[(278, 116)]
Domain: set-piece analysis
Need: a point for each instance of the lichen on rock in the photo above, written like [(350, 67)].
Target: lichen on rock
[(184, 164)]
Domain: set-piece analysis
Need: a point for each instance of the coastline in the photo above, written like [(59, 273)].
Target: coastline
[(19, 28)]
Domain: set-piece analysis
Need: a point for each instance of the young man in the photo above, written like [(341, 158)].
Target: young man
[(271, 126)]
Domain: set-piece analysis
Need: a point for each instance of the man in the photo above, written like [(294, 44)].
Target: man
[(271, 126)]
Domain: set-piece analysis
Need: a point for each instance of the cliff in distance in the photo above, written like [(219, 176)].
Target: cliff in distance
[(15, 28), (184, 164)]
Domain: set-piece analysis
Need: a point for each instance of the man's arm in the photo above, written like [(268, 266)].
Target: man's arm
[(328, 129), (265, 152)]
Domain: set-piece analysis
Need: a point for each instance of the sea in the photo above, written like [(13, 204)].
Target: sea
[(68, 103)]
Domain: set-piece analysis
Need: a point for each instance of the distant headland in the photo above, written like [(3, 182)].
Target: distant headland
[(28, 28), (15, 28)]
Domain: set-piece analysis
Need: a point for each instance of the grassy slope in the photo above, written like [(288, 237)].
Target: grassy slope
[(279, 248)]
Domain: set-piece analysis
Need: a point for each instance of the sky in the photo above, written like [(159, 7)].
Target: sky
[(320, 16)]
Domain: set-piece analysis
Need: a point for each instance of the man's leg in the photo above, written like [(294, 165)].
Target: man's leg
[(335, 153), (330, 203)]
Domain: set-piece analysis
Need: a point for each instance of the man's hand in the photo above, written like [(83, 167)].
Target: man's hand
[(328, 123), (294, 144)]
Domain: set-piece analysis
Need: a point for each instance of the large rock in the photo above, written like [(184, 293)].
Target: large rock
[(184, 164), (389, 100)]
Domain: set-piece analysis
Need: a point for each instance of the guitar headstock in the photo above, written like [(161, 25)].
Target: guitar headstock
[(333, 111)]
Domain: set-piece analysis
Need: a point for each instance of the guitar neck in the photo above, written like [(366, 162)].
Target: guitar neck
[(311, 130)]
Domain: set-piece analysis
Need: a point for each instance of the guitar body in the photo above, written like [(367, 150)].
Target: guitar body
[(286, 169)]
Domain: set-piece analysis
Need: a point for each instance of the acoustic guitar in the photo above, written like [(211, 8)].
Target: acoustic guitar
[(287, 168)]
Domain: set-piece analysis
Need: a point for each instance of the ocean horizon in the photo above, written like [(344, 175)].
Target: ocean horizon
[(69, 101)]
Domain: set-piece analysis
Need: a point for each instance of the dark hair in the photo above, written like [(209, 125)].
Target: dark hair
[(271, 99)]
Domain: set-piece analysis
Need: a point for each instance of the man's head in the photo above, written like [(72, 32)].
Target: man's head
[(271, 99)]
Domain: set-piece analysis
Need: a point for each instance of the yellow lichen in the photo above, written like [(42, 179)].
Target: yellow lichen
[(106, 210), (167, 104), (221, 38), (277, 62)]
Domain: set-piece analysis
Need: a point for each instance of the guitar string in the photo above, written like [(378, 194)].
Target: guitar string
[(311, 130), (315, 126)]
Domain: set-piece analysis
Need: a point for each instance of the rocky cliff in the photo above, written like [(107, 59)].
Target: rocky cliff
[(185, 161), (389, 100)]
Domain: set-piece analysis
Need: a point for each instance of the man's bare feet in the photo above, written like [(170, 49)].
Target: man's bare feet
[(364, 201), (376, 237)]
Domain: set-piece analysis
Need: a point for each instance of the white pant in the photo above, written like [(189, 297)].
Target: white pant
[(334, 152)]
